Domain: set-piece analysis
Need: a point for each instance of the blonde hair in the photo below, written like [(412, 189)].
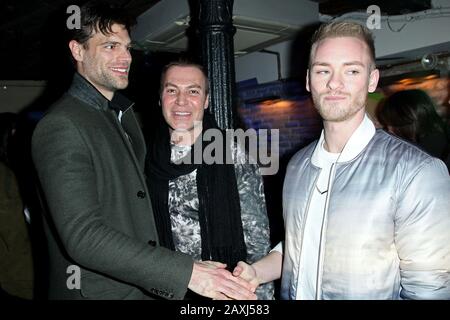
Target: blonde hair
[(344, 29)]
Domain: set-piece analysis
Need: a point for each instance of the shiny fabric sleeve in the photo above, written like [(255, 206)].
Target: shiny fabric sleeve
[(254, 216), (422, 232)]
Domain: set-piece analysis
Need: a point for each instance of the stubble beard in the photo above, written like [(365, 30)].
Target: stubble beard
[(337, 112), (111, 82), (103, 77)]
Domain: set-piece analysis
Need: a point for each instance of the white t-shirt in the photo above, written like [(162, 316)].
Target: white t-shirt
[(309, 259)]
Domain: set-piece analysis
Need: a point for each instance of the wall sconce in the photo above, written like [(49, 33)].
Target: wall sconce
[(263, 100), (429, 61)]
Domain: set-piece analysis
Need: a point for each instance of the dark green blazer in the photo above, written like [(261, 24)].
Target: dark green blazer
[(100, 216)]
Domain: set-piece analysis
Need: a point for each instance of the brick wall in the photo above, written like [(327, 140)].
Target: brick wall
[(287, 108)]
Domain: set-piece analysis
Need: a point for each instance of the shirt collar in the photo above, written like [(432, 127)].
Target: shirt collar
[(120, 103), (359, 139)]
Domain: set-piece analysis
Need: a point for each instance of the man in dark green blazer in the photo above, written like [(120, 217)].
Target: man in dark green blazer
[(89, 154)]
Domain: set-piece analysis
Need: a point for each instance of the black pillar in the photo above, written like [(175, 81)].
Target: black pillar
[(217, 49)]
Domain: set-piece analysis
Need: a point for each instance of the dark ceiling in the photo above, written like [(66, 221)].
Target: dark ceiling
[(28, 29)]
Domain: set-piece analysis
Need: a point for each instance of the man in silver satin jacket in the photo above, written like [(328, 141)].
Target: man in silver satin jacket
[(367, 215), (386, 226)]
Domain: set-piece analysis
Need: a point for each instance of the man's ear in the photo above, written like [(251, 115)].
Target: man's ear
[(77, 50), (307, 81), (206, 102), (373, 80)]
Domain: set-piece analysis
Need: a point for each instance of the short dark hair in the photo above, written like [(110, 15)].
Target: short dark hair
[(182, 63), (99, 16), (344, 29)]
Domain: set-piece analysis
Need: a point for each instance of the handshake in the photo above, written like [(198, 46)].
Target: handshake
[(212, 280)]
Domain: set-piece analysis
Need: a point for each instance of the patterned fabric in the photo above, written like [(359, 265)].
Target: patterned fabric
[(183, 209)]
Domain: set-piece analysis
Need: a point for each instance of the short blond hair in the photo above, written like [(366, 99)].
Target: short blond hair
[(344, 29)]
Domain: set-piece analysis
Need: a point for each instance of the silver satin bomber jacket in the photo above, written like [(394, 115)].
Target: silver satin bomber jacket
[(386, 229)]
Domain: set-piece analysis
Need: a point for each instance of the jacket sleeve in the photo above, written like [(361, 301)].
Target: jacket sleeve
[(67, 175), (422, 232), (255, 222)]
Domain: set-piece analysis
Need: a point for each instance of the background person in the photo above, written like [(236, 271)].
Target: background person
[(411, 115)]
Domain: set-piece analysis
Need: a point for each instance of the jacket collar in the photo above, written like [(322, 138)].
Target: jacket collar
[(357, 142), (85, 91)]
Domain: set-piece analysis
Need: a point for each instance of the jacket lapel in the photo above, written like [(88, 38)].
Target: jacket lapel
[(131, 127)]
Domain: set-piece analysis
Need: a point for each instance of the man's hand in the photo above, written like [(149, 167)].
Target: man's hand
[(262, 271), (246, 272), (211, 279)]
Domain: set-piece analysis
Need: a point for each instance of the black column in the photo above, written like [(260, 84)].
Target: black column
[(216, 39)]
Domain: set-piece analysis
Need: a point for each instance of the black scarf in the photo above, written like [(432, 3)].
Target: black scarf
[(221, 230)]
